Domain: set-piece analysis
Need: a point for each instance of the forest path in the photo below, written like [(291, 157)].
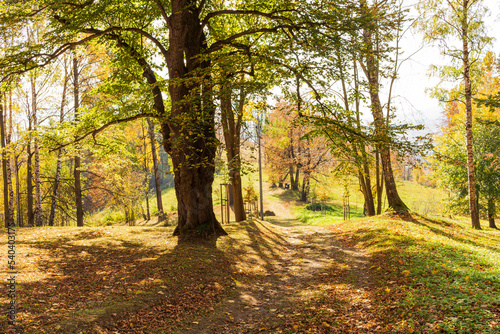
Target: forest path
[(312, 278)]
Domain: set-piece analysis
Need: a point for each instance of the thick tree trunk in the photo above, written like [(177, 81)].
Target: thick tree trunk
[(370, 67), (295, 182), (471, 169), (491, 212), (304, 192), (77, 165), (189, 134), (365, 183), (159, 202), (232, 131)]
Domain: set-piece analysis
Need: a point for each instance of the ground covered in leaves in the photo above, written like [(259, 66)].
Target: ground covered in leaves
[(374, 275)]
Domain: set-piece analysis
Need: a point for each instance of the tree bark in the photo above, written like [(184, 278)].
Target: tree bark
[(18, 194), (36, 155), (189, 134), (491, 212), (77, 165), (364, 167), (57, 178), (379, 182), (146, 174), (29, 178), (232, 135), (159, 202), (4, 167), (304, 193), (9, 159), (471, 168), (370, 67)]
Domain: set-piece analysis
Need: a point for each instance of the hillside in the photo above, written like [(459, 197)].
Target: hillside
[(298, 271)]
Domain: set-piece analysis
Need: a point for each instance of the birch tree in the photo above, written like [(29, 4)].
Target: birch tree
[(457, 26)]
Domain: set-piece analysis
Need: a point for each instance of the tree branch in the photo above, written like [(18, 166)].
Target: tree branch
[(102, 128)]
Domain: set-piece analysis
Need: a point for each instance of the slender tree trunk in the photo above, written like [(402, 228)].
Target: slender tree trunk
[(57, 178), (4, 168), (76, 170), (232, 130), (146, 173), (379, 182), (189, 134), (159, 202), (36, 155), (18, 194), (471, 169), (9, 159), (29, 180)]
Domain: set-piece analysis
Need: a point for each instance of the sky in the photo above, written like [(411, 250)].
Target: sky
[(413, 104)]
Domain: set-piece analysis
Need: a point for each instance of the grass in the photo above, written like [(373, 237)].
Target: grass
[(98, 279), (427, 276), (434, 275)]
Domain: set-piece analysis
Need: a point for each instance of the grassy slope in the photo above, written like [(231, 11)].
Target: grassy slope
[(438, 275), (429, 275), (432, 274)]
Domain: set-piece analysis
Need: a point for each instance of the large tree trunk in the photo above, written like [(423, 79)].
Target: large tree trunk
[(364, 167), (77, 165), (57, 178), (189, 134), (159, 202), (471, 169), (304, 192), (232, 134), (491, 212), (370, 67)]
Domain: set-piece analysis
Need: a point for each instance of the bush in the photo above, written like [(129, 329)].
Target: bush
[(316, 206)]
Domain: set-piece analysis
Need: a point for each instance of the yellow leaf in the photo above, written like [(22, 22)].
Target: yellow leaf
[(406, 272), (387, 289)]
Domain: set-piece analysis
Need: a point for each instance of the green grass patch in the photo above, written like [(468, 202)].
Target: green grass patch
[(432, 275), (327, 217)]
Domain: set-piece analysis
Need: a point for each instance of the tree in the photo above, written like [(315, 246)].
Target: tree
[(57, 177), (159, 203), (458, 27), (290, 144), (4, 167), (451, 161), (187, 121), (370, 63)]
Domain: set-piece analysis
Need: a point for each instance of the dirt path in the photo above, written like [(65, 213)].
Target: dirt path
[(317, 285)]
